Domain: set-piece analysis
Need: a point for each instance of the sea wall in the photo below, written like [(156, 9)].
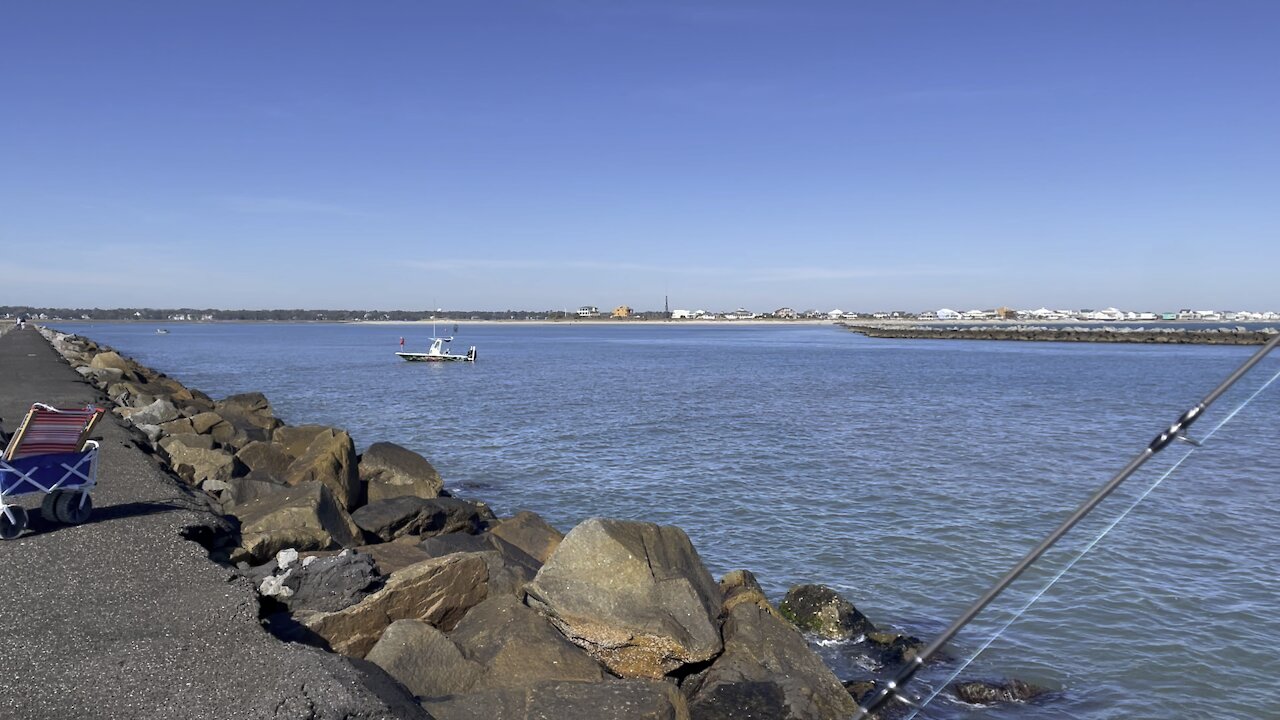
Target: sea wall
[(480, 616), (1172, 336)]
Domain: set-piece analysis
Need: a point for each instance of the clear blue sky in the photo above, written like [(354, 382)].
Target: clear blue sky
[(491, 155)]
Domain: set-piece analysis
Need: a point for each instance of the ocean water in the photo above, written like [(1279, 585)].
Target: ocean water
[(907, 474)]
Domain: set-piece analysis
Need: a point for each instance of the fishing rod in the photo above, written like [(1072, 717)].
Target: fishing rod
[(1176, 431)]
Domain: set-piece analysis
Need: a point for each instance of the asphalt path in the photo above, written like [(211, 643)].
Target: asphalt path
[(124, 618)]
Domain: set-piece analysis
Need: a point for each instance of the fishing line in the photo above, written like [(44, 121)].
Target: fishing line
[(919, 706), (1176, 431)]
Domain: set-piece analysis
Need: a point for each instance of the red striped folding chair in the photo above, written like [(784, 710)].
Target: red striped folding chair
[(50, 453)]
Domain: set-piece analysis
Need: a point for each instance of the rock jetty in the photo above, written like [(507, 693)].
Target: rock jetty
[(473, 615), (1159, 336)]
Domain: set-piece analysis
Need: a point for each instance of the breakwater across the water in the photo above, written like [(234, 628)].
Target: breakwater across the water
[(479, 615), (1044, 333)]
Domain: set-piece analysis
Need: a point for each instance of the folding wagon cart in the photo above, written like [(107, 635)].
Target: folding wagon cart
[(50, 454)]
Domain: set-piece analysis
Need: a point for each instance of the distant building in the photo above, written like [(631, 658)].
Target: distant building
[(622, 311), (948, 314), (681, 315), (786, 313), (587, 311)]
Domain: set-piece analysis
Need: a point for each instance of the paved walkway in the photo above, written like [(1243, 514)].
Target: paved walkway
[(123, 618)]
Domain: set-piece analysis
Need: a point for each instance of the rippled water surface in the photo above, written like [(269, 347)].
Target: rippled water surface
[(907, 474)]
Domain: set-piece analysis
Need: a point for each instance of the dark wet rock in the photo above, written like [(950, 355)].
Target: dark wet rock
[(635, 595), (330, 459), (820, 610), (895, 648), (329, 584), (516, 646), (529, 532), (424, 660), (305, 517), (764, 649), (979, 692), (438, 592), (610, 700), (393, 471)]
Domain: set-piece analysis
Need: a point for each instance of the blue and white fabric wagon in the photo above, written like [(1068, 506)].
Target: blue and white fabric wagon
[(51, 454)]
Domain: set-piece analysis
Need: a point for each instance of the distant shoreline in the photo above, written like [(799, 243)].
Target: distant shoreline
[(1071, 333)]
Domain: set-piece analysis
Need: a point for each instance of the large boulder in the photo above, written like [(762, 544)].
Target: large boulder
[(112, 360), (295, 439), (768, 669), (329, 459), (189, 440), (399, 516), (264, 458), (518, 647), (820, 610), (329, 584), (204, 422), (424, 660), (611, 700), (635, 595), (438, 592), (196, 465), (529, 532), (741, 586), (250, 413), (159, 411), (393, 471), (305, 517)]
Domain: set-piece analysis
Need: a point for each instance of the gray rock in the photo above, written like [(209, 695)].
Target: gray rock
[(441, 545), (160, 411), (295, 439), (424, 660), (250, 413), (329, 584), (251, 487), (518, 647), (188, 440), (612, 700), (393, 471), (761, 650), (196, 465), (820, 610), (634, 595)]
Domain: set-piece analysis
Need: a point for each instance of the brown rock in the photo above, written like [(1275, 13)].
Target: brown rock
[(529, 532), (393, 471), (438, 592), (305, 517), (612, 700), (424, 660), (295, 440), (264, 458), (329, 459), (634, 595), (518, 647)]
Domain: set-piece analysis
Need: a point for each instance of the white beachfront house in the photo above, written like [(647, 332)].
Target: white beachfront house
[(948, 314), (587, 311), (1107, 315), (681, 315), (978, 315), (836, 314)]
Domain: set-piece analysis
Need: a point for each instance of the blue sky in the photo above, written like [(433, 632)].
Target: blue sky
[(491, 155)]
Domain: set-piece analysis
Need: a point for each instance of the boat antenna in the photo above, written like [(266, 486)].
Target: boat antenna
[(1177, 431)]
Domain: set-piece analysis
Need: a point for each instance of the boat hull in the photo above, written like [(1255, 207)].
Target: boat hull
[(431, 357)]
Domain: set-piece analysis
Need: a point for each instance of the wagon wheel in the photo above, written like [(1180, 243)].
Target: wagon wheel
[(48, 506), (10, 529), (72, 508)]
